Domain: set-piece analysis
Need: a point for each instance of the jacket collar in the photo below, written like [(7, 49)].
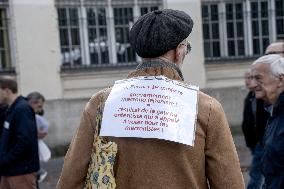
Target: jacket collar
[(155, 67), (14, 104), (279, 105)]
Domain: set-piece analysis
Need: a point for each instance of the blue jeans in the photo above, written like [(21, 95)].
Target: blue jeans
[(256, 176)]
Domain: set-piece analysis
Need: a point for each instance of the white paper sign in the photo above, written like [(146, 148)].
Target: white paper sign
[(151, 107)]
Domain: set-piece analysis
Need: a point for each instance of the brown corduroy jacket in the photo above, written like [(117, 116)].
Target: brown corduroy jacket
[(159, 164)]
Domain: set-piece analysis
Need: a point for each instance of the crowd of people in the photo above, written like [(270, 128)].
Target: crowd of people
[(22, 129), (263, 124), (102, 157)]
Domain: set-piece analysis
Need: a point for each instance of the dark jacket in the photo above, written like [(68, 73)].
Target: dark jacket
[(3, 109), (273, 157), (254, 120), (19, 145)]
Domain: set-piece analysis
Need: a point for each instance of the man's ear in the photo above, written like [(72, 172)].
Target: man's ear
[(179, 54), (281, 79)]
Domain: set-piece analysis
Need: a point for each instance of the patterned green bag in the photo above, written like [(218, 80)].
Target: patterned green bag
[(100, 172)]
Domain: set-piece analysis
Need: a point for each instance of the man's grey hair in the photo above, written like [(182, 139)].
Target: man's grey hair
[(35, 96), (275, 62)]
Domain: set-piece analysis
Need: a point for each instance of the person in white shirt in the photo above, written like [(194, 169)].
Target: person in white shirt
[(36, 101)]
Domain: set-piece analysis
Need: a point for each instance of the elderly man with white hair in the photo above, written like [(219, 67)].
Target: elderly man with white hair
[(268, 82)]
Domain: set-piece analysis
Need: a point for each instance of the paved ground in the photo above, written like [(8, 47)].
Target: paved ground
[(54, 166)]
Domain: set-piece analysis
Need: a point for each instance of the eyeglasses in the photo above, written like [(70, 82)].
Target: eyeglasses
[(188, 47)]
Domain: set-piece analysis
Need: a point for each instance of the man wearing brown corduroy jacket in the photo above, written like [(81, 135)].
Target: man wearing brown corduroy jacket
[(212, 162)]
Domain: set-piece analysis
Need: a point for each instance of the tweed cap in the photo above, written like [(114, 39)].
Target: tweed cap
[(159, 31)]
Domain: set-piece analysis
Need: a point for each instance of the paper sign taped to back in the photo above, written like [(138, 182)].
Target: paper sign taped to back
[(151, 107)]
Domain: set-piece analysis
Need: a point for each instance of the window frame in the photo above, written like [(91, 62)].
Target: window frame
[(125, 37), (235, 21), (247, 27), (260, 37), (279, 36), (97, 27), (210, 23), (110, 29), (69, 28), (8, 65)]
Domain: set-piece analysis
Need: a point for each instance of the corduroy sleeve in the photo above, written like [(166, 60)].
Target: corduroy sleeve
[(222, 163), (78, 155)]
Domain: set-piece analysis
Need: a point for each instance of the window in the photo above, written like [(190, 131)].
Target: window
[(235, 29), (98, 39), (4, 2), (123, 19), (146, 9), (260, 26), (68, 21), (279, 4), (96, 33), (242, 28), (211, 30), (5, 57)]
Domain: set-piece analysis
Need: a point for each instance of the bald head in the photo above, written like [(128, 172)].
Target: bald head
[(275, 48)]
